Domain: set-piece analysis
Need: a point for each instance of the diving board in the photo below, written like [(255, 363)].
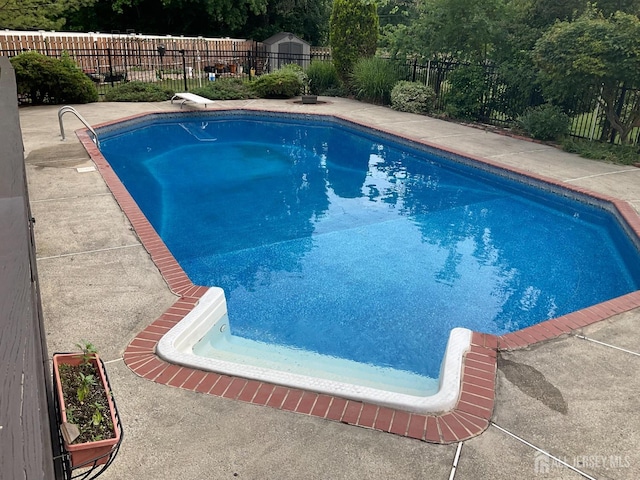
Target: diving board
[(190, 97)]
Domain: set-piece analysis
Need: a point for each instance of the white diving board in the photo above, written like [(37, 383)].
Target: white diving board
[(190, 97)]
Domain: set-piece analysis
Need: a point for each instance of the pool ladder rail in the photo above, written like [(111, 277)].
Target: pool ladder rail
[(68, 108)]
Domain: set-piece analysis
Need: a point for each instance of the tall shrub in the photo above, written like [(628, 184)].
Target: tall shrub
[(373, 79), (50, 80), (323, 77), (353, 33)]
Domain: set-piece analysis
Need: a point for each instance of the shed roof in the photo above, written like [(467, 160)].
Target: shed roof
[(281, 36)]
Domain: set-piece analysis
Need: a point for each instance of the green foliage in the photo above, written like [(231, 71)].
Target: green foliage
[(373, 79), (620, 154), (225, 89), (88, 351), (478, 30), (252, 19), (96, 418), (464, 100), (302, 76), (323, 77), (309, 19), (297, 70), (353, 33), (283, 83), (223, 14), (138, 92), (336, 92), (31, 14), (545, 122), (50, 80), (86, 382), (460, 29), (85, 400), (518, 86), (544, 13), (412, 97), (593, 55), (70, 411)]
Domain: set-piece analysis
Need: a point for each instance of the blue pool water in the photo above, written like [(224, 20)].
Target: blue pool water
[(329, 239)]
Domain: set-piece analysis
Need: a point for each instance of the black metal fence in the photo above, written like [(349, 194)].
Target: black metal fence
[(180, 70), (502, 103), (184, 69)]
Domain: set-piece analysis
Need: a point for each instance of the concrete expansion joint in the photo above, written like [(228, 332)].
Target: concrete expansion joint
[(509, 154), (456, 458), (582, 337), (88, 252), (543, 452), (595, 175), (57, 199), (115, 360)]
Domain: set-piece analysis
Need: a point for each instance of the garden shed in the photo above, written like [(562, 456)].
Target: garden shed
[(285, 47)]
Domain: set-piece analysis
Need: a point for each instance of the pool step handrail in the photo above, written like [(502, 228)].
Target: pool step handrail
[(68, 108)]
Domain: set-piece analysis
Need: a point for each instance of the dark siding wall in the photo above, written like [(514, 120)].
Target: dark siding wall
[(25, 391)]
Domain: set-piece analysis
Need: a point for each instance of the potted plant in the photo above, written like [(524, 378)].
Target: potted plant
[(87, 412)]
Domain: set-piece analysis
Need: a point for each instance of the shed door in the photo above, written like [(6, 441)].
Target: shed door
[(289, 52)]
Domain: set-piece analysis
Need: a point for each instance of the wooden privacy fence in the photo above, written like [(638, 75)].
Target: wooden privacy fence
[(109, 58), (125, 47)]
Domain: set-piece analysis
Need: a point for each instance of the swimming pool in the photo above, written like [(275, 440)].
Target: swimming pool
[(365, 193)]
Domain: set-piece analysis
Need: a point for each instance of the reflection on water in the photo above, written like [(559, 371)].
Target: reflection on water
[(331, 240)]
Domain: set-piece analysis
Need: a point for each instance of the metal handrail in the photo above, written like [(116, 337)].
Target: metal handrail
[(68, 108)]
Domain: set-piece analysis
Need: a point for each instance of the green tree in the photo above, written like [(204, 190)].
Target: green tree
[(254, 19), (594, 55), (460, 29), (231, 14), (353, 33), (395, 12), (395, 18), (36, 14), (175, 17), (309, 19)]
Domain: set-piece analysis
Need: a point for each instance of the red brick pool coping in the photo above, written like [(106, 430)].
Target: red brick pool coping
[(467, 419)]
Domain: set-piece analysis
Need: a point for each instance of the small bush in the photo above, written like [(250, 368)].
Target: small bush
[(620, 154), (412, 97), (138, 92), (467, 90), (373, 79), (226, 89), (323, 78), (302, 76), (545, 122), (50, 80), (283, 83)]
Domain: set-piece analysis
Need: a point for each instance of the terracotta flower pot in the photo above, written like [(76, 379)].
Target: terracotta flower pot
[(87, 454)]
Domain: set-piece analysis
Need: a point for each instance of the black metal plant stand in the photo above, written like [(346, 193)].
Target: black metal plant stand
[(89, 469)]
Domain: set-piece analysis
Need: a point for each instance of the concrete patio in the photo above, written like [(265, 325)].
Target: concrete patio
[(570, 397)]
